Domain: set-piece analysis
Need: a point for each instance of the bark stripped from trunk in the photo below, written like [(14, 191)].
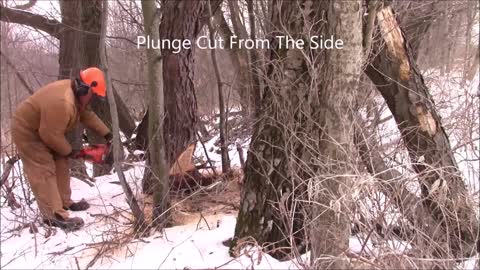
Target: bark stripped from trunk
[(398, 79)]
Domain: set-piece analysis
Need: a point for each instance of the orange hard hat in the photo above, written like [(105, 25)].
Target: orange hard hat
[(94, 78)]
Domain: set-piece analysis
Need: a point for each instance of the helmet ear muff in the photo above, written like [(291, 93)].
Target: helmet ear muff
[(81, 88)]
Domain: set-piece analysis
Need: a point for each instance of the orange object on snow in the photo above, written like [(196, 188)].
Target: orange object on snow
[(97, 153)]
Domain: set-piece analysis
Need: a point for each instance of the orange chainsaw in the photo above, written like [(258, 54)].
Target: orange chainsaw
[(97, 154)]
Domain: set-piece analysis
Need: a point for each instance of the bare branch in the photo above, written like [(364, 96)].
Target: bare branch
[(26, 6), (50, 26)]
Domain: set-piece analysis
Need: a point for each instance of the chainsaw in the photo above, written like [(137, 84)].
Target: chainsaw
[(97, 154)]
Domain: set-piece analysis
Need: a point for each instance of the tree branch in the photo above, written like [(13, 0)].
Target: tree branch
[(50, 26), (26, 6)]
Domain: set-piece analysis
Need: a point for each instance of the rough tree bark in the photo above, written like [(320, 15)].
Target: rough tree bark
[(71, 60), (89, 42), (305, 104), (396, 76), (269, 211), (173, 100), (338, 76), (180, 20)]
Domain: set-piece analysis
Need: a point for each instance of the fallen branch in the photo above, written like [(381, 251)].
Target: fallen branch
[(61, 252), (86, 181), (206, 153)]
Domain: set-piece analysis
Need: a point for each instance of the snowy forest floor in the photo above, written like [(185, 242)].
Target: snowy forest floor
[(202, 220)]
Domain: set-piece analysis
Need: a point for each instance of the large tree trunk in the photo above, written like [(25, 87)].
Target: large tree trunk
[(71, 60), (269, 211), (91, 23), (301, 124), (338, 75), (396, 76), (180, 20)]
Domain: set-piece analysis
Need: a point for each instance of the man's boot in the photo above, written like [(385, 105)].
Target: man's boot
[(68, 224), (82, 205)]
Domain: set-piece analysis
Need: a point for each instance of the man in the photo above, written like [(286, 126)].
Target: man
[(39, 126)]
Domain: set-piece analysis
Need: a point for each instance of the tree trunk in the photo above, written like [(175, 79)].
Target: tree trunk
[(305, 104), (127, 123), (91, 15), (221, 106), (71, 60), (156, 150), (339, 76), (270, 211), (179, 27), (471, 16), (238, 60), (91, 24), (244, 72), (180, 20), (255, 72), (396, 76)]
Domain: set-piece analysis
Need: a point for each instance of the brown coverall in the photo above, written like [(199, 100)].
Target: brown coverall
[(38, 128)]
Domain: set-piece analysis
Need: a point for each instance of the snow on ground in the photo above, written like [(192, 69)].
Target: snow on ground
[(193, 245), (215, 156)]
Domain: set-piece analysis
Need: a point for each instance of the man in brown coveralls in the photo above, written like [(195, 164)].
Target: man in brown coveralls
[(38, 128)]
